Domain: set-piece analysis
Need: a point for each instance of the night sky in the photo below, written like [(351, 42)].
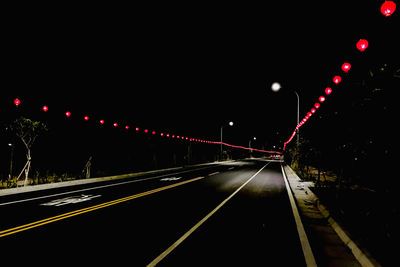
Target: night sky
[(188, 67)]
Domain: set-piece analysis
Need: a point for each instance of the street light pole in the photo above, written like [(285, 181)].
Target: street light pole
[(11, 159), (220, 156), (276, 87), (222, 126), (298, 118)]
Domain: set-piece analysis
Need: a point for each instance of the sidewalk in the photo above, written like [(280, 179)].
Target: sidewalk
[(330, 244)]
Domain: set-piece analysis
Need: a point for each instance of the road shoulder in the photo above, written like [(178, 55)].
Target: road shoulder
[(330, 247)]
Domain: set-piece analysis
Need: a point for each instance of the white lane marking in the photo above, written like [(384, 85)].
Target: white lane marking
[(231, 168), (70, 200), (305, 245), (197, 225), (171, 179), (214, 173), (101, 186)]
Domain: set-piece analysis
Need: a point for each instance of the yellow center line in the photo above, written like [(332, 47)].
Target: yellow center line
[(92, 208)]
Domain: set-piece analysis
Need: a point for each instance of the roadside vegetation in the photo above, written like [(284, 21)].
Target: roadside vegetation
[(362, 197)]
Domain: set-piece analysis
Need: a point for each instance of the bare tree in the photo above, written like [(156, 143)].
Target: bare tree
[(27, 131)]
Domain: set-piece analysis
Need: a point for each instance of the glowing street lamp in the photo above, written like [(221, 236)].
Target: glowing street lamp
[(276, 87)]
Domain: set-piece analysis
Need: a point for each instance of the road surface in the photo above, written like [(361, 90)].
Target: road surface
[(227, 214)]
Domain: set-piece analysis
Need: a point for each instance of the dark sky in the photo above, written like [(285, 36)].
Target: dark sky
[(189, 67)]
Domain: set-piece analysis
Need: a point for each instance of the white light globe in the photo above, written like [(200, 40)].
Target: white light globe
[(276, 87)]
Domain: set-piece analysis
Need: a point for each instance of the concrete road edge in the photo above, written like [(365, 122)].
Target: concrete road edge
[(362, 257)]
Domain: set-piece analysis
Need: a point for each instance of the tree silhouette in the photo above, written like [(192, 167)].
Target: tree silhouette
[(27, 131)]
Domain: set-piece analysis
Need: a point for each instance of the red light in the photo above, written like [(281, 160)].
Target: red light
[(153, 132), (86, 118), (328, 90), (346, 67), (173, 136), (17, 102), (127, 127), (68, 114), (387, 8), (115, 124), (45, 108), (362, 44), (313, 110), (167, 135), (101, 121), (321, 99), (146, 131), (317, 105), (309, 114), (337, 79), (162, 134), (137, 129)]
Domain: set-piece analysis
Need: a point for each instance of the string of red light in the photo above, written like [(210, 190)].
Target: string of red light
[(387, 9), (68, 114)]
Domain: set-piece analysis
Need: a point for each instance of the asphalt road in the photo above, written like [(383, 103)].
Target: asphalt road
[(228, 214)]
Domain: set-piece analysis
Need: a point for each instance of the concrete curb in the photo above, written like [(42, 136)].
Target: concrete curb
[(362, 257), (30, 188)]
